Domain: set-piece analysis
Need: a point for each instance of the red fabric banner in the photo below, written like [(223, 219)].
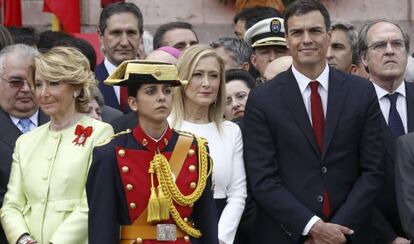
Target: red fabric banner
[(106, 2), (67, 11), (12, 13)]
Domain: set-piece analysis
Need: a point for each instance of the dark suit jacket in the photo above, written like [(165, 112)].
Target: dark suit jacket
[(404, 181), (110, 114), (127, 121), (107, 91), (286, 171), (387, 223), (8, 136)]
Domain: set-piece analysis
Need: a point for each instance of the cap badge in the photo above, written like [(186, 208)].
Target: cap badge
[(275, 26)]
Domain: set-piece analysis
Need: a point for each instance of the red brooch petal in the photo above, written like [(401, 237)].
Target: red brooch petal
[(82, 134)]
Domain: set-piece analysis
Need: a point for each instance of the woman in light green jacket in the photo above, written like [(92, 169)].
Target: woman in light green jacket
[(46, 200)]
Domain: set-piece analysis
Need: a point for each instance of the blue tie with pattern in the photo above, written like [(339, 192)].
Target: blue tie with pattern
[(25, 124), (394, 120)]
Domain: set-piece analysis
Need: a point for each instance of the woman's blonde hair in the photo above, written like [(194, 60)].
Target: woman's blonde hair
[(69, 65), (186, 66)]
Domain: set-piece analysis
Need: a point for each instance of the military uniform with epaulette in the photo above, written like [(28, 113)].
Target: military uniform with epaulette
[(142, 190)]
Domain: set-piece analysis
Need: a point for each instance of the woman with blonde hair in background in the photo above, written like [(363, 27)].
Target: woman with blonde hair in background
[(198, 107), (46, 200)]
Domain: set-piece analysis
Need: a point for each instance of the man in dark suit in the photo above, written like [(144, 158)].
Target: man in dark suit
[(312, 143), (120, 33), (17, 104), (404, 181), (384, 49)]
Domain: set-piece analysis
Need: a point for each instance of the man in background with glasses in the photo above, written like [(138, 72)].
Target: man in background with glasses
[(19, 112), (384, 51)]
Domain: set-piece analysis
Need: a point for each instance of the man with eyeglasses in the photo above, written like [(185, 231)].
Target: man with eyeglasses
[(19, 112), (384, 50)]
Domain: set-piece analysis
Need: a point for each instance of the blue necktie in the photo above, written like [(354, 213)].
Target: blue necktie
[(394, 120), (25, 125)]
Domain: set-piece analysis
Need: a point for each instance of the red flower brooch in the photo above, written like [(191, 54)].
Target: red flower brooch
[(82, 134)]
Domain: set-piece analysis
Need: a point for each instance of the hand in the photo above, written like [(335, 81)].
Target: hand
[(26, 239), (400, 240), (328, 233)]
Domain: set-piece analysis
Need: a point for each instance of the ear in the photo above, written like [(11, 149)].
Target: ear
[(287, 43), (353, 69), (132, 102), (101, 38), (76, 92), (245, 66), (329, 35), (364, 59), (253, 59)]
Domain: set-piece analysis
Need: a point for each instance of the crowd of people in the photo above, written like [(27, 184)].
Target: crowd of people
[(295, 130)]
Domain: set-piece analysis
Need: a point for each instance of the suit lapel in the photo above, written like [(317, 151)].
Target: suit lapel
[(293, 98), (409, 90), (336, 97), (108, 91), (8, 132)]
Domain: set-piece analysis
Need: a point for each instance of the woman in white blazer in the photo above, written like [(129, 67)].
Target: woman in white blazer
[(198, 107)]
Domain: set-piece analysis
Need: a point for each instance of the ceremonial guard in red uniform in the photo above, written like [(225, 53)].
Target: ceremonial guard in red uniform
[(151, 184)]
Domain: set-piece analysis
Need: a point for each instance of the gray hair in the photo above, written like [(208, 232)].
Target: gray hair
[(27, 51), (352, 35), (239, 50), (363, 35)]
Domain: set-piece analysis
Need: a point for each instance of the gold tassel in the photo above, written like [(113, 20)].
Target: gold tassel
[(164, 205), (153, 203)]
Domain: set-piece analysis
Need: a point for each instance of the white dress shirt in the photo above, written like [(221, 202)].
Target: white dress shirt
[(111, 68), (401, 104), (305, 90), (33, 120)]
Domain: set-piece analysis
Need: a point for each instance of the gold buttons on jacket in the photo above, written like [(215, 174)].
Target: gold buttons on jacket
[(144, 142), (186, 220), (193, 185), (186, 238), (139, 240), (191, 168), (132, 205), (191, 152), (125, 169), (121, 152), (165, 141), (129, 187)]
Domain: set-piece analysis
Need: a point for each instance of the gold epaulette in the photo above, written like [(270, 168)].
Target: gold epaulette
[(185, 133), (106, 141), (190, 134)]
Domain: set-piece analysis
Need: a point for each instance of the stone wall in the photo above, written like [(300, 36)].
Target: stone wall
[(213, 19)]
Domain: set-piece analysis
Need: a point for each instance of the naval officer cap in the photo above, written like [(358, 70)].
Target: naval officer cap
[(267, 32), (145, 72)]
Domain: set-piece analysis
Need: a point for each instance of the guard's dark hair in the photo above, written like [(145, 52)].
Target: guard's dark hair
[(255, 14), (240, 74), (24, 35)]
